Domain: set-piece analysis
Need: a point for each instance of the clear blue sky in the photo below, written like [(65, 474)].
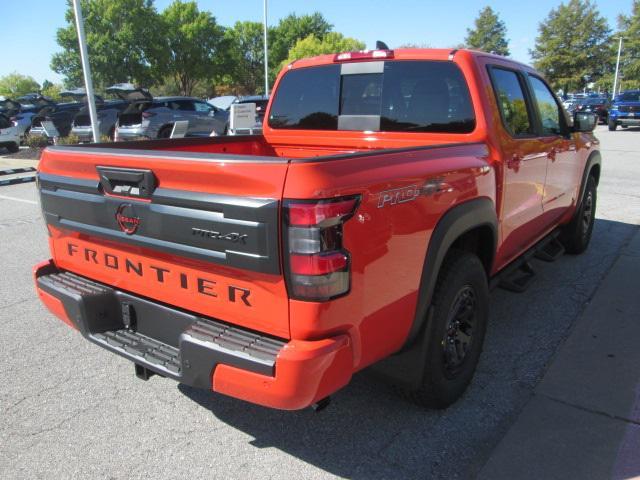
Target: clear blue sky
[(28, 28)]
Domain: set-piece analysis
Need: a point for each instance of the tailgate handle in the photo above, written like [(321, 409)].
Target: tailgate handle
[(127, 182)]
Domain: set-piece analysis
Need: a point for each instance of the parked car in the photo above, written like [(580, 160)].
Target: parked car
[(388, 193), (597, 105), (149, 117), (625, 110), (21, 113), (108, 112), (9, 137), (261, 102), (61, 114), (9, 107)]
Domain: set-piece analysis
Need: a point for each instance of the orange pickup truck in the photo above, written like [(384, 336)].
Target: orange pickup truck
[(389, 192)]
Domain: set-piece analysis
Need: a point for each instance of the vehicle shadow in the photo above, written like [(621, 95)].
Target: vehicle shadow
[(369, 432)]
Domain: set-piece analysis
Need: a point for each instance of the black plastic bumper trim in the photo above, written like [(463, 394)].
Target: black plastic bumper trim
[(168, 341)]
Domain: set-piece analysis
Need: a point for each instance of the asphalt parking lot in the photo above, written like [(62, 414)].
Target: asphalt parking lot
[(72, 410)]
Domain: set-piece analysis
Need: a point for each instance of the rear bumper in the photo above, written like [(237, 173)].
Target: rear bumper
[(37, 132), (197, 351), (137, 132), (84, 134), (628, 121)]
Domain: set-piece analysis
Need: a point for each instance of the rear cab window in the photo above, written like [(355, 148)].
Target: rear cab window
[(389, 96)]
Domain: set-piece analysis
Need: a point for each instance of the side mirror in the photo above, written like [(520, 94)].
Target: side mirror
[(584, 121)]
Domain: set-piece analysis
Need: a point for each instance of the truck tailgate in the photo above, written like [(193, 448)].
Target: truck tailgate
[(194, 232)]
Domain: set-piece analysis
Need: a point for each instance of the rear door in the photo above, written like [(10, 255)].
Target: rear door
[(207, 120), (194, 231)]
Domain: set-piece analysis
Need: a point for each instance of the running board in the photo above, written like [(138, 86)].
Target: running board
[(551, 251), (520, 279), (519, 274)]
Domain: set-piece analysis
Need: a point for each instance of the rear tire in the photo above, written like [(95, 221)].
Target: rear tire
[(13, 147), (456, 330), (612, 125), (576, 235), (165, 132)]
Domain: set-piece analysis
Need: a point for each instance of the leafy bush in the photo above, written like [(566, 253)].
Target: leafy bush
[(70, 139), (36, 141)]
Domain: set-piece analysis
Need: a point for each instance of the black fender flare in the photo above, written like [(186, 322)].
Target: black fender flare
[(457, 221), (595, 159), (406, 366)]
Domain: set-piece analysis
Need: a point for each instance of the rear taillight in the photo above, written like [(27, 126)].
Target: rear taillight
[(317, 264), (148, 114)]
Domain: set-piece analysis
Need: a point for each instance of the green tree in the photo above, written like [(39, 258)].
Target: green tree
[(286, 34), (124, 38), (332, 42), (629, 29), (51, 90), (15, 85), (573, 46), (489, 33), (192, 43), (245, 45)]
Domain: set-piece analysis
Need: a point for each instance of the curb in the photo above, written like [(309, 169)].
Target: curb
[(15, 180)]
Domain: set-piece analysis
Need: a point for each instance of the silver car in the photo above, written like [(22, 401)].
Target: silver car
[(108, 112), (21, 113), (8, 135), (148, 117)]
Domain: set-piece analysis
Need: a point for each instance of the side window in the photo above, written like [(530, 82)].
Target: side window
[(512, 102), (203, 107), (547, 107), (185, 105)]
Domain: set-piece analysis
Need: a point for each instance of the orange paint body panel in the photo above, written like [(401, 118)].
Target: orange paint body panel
[(269, 306), (305, 373), (233, 192)]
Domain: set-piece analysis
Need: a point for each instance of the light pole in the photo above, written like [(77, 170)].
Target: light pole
[(86, 69), (266, 53), (615, 79)]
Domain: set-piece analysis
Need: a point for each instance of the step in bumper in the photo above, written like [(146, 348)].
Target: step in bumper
[(197, 351)]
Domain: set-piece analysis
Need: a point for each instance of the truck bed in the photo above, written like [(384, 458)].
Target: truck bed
[(250, 148)]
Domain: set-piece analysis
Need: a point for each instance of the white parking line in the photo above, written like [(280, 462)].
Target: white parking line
[(23, 200)]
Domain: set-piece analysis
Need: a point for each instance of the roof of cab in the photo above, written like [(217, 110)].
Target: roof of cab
[(405, 54)]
